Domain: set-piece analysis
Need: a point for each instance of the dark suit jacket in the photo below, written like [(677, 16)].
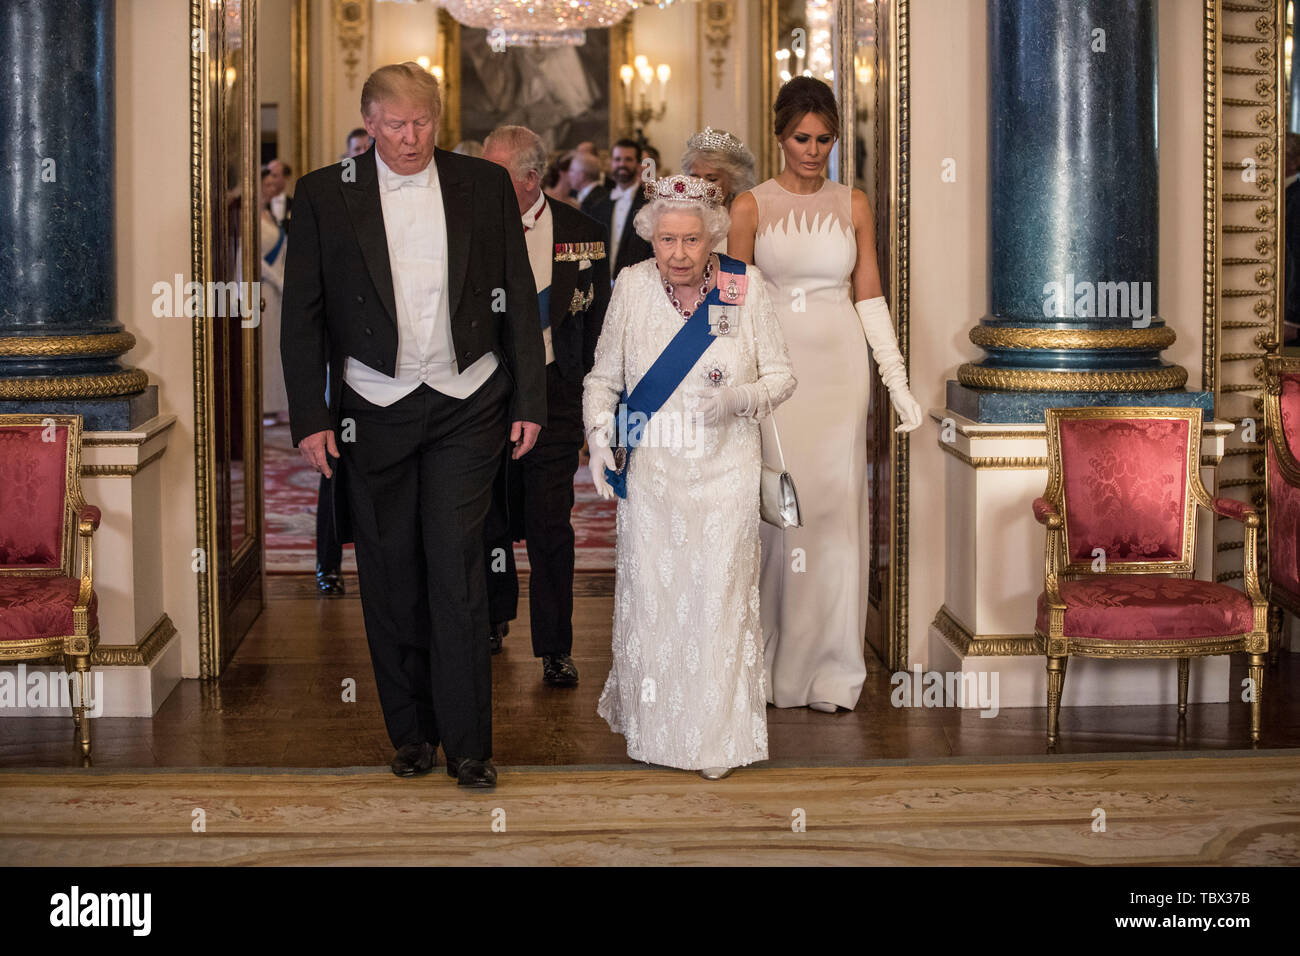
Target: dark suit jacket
[(338, 285), (593, 199), (574, 333), (631, 247)]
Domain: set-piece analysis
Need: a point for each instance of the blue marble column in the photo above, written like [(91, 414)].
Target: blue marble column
[(60, 343), (1073, 215)]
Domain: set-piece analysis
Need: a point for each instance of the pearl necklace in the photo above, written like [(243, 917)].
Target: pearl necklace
[(704, 291)]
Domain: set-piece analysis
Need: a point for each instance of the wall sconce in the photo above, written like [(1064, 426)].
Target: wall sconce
[(637, 109)]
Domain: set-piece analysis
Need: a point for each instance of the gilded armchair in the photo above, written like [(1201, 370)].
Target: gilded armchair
[(1120, 512), (1282, 480), (48, 609)]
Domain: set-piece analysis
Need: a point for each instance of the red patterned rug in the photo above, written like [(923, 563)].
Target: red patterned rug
[(291, 489)]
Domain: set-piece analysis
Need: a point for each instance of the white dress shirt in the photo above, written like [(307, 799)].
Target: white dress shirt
[(415, 224), (585, 191), (539, 235), (622, 197)]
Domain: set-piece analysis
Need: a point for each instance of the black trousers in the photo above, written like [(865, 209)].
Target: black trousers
[(533, 500), (419, 484), (329, 550)]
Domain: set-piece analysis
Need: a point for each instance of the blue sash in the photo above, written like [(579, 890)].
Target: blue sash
[(666, 373), (275, 249), (544, 306)]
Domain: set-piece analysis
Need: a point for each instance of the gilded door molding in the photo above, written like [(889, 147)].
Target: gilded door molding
[(207, 130), (1244, 99)]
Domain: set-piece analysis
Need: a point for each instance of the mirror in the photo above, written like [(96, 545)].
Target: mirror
[(853, 45), (226, 332)]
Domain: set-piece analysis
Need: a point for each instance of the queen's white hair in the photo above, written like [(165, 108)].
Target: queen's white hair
[(717, 223)]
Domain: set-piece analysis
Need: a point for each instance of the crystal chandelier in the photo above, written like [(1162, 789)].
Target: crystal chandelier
[(540, 22)]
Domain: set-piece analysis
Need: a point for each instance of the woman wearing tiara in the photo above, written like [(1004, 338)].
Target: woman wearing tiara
[(716, 155), (686, 688), (813, 241)]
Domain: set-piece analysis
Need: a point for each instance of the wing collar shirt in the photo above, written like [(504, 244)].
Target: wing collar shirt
[(416, 227), (622, 198), (539, 235)]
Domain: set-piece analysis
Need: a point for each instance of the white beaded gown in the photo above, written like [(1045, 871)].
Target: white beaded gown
[(686, 688), (814, 578), (275, 396)]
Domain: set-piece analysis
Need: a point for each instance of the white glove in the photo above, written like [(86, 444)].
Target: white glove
[(717, 403), (879, 330), (602, 457)]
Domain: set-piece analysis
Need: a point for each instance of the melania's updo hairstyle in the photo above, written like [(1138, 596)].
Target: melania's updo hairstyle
[(799, 97)]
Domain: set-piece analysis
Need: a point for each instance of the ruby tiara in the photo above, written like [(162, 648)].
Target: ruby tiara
[(684, 189), (719, 141)]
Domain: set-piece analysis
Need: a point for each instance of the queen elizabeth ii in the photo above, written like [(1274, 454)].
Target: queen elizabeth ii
[(691, 353)]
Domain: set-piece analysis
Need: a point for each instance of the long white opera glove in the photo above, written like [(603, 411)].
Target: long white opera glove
[(717, 403), (879, 330), (602, 457)]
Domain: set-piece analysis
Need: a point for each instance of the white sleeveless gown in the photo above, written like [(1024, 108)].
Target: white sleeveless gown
[(814, 578)]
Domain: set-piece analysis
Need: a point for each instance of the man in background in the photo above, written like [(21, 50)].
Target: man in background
[(617, 210), (534, 494), (358, 142), (584, 180), (276, 182)]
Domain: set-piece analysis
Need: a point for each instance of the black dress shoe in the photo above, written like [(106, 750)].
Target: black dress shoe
[(558, 670), (479, 774), (329, 582), (499, 631), (414, 760)]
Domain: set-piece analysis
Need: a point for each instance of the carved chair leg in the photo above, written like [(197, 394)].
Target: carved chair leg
[(1184, 665), (1255, 670), (81, 719), (1055, 687)]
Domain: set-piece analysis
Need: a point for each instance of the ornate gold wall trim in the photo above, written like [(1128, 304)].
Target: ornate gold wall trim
[(994, 337), (968, 644), (137, 655), (120, 471), (1244, 230), (1141, 380), (136, 439), (114, 384), (995, 463), (112, 343), (901, 187)]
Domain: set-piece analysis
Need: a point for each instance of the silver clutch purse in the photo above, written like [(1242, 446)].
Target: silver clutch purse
[(778, 501)]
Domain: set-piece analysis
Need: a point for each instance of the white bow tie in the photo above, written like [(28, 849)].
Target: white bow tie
[(393, 181)]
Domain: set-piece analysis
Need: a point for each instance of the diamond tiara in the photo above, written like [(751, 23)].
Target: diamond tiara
[(719, 140), (684, 189)]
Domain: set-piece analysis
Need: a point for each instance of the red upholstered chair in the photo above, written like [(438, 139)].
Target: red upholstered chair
[(1124, 483), (1282, 480), (47, 608)]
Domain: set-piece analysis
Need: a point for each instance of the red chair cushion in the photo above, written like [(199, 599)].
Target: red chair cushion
[(1149, 607), (1125, 483), (1283, 528), (33, 608), (33, 480), (1284, 499)]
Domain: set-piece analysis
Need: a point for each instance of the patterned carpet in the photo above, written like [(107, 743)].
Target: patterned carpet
[(1240, 810), (291, 489)]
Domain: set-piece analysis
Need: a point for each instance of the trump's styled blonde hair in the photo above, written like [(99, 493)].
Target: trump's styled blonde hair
[(398, 80)]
